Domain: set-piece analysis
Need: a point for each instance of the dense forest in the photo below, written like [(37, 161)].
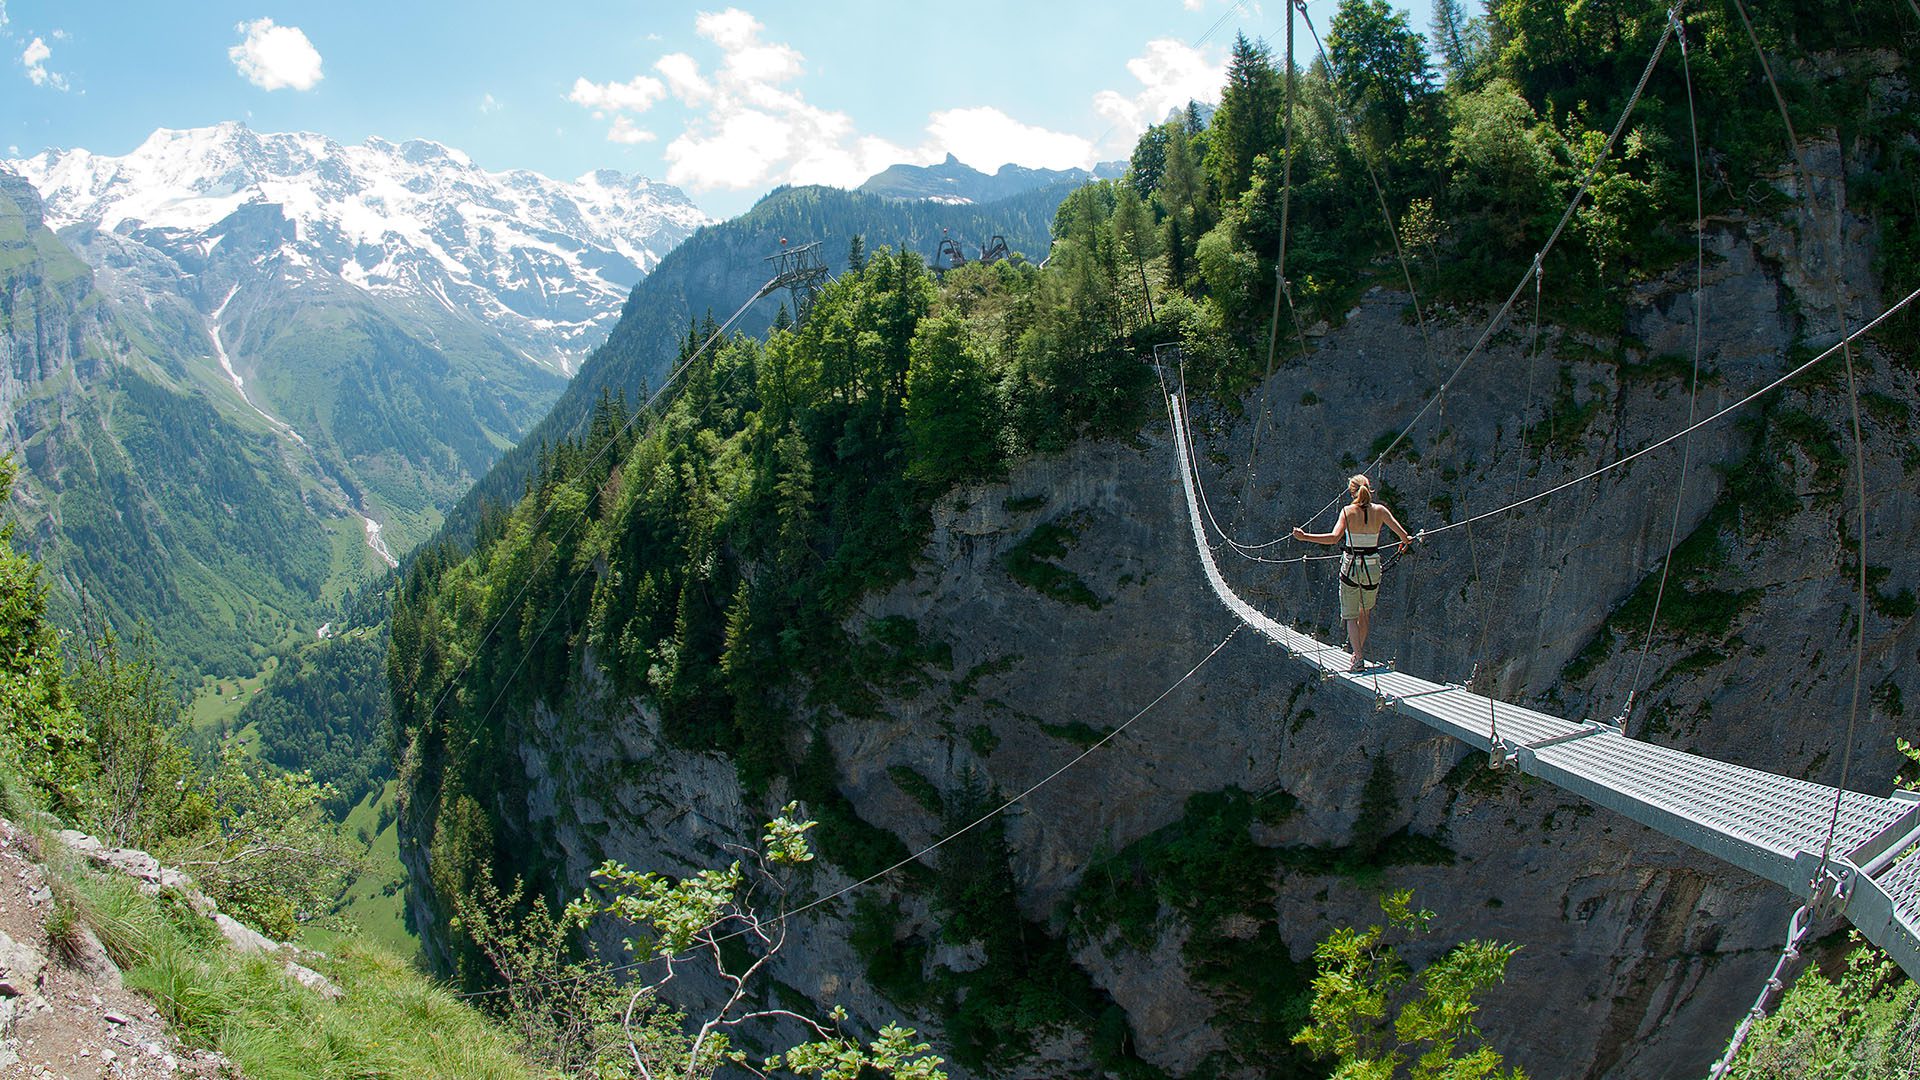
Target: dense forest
[(705, 556), (718, 268)]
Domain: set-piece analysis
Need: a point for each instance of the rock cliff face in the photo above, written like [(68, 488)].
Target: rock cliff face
[(1639, 954)]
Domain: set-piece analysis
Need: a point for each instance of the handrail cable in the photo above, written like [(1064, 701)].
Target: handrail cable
[(1693, 386), (1848, 341), (1579, 195), (526, 582), (923, 852), (1207, 505)]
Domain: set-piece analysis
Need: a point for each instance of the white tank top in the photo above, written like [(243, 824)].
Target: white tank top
[(1363, 540)]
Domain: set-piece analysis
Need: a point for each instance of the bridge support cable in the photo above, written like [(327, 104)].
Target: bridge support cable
[(929, 849), (1625, 719), (1769, 825), (1830, 276), (1749, 399), (1797, 929), (1566, 216)]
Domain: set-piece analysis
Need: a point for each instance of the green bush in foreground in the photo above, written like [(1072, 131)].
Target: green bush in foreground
[(1376, 1017), (1863, 1026)]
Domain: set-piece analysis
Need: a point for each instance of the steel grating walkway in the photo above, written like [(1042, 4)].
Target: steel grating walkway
[(1772, 826)]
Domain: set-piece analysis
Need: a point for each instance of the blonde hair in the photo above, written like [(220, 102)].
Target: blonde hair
[(1361, 489)]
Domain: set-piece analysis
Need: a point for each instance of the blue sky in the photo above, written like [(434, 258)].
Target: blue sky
[(724, 101)]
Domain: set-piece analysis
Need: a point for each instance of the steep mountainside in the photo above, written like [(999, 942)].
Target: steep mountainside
[(1189, 867), (398, 314), (719, 268), (542, 265), (952, 181), (149, 491)]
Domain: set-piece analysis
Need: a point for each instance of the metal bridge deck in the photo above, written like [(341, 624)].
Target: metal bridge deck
[(1772, 826)]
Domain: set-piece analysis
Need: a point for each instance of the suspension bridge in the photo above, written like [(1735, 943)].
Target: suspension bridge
[(1776, 827)]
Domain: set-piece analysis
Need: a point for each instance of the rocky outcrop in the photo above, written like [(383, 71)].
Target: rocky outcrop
[(153, 879), (64, 1014)]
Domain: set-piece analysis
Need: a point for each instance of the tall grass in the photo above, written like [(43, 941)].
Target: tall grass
[(391, 1022)]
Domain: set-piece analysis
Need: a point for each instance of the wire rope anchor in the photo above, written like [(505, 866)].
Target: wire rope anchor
[(1619, 720), (1502, 755)]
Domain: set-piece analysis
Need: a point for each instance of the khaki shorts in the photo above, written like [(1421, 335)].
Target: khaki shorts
[(1364, 573)]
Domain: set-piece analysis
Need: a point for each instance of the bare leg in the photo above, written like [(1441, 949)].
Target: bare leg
[(1357, 634)]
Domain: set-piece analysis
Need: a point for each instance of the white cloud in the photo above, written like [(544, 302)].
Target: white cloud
[(1171, 73), (682, 73), (986, 138), (34, 59), (1193, 5), (624, 131), (489, 104), (731, 29), (637, 95), (3, 14), (275, 57), (59, 34), (750, 127)]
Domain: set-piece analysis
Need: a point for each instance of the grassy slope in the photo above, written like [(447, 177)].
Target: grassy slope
[(392, 1021), (372, 906)]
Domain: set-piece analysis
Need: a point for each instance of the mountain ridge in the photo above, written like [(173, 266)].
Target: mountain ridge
[(954, 181), (545, 263)]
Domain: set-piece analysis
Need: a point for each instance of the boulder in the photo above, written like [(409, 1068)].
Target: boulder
[(242, 937)]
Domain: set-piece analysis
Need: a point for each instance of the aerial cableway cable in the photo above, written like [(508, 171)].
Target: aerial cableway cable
[(527, 580)]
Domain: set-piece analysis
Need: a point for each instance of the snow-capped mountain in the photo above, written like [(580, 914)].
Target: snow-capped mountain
[(542, 264)]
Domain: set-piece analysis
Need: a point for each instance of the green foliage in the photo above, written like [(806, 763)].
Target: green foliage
[(1863, 1025), (41, 735), (326, 711), (895, 967), (1028, 983), (1032, 562), (565, 1010), (1207, 868), (266, 853), (1375, 1017), (712, 920), (952, 415), (138, 780), (1384, 81), (392, 1021), (1246, 124)]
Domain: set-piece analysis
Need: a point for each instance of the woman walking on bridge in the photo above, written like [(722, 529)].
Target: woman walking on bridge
[(1358, 534)]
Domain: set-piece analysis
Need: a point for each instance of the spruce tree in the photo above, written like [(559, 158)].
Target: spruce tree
[(1246, 125)]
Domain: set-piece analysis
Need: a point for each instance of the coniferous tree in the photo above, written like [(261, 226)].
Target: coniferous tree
[(1383, 76), (1246, 124), (1462, 41), (1149, 160)]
